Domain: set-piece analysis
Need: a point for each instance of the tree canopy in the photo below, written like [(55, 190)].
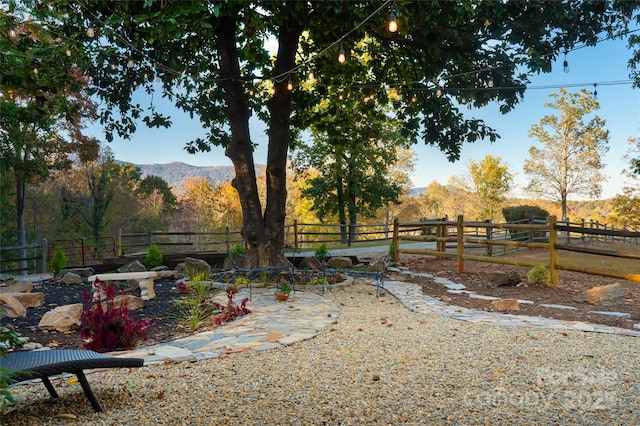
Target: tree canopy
[(570, 160), (212, 59)]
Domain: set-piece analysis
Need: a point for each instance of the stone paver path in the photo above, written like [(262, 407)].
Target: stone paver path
[(274, 324)]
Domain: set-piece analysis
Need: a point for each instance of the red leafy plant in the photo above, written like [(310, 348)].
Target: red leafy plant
[(107, 327), (232, 310)]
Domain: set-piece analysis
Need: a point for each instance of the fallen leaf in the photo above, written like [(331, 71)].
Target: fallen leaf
[(66, 416), (72, 381)]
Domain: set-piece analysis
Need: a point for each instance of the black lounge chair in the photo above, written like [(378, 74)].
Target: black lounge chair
[(27, 365)]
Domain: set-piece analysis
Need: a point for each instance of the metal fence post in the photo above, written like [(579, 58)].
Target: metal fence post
[(44, 254)]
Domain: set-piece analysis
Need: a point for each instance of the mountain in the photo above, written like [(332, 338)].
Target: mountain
[(176, 173)]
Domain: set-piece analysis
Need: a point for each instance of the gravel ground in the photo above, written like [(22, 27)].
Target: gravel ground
[(378, 364)]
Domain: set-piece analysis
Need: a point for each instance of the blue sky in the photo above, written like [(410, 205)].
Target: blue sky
[(619, 106)]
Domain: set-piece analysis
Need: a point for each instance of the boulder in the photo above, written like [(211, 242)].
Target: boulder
[(194, 267), (135, 266), (505, 305), (63, 318), (18, 287), (11, 307), (340, 263), (606, 295), (71, 278), (504, 279), (237, 261), (85, 272), (28, 300), (7, 279), (310, 263), (132, 302)]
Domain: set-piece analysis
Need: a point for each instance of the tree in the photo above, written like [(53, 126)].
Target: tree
[(626, 206), (355, 148), (43, 109), (571, 159), (490, 181), (212, 61)]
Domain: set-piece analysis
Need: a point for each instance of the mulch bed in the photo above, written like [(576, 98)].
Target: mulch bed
[(475, 278), (160, 310)]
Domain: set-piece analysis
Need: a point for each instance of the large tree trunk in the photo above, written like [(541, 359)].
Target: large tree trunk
[(264, 236)]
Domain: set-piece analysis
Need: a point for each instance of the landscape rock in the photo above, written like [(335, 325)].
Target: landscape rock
[(132, 302), (11, 307), (160, 268), (135, 266), (28, 300), (7, 279), (310, 263), (63, 318), (71, 278), (238, 261), (606, 295), (504, 279), (85, 272), (505, 305), (340, 262), (194, 267), (18, 287)]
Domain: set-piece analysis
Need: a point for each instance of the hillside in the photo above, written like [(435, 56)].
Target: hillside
[(176, 173)]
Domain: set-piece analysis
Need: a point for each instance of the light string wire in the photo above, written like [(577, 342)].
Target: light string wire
[(284, 75)]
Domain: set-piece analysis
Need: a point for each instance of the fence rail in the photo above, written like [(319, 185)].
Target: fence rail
[(542, 236), (495, 237)]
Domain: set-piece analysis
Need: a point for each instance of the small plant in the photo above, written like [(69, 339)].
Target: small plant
[(539, 275), (195, 305), (106, 327), (319, 281), (283, 286), (322, 254), (154, 257), (242, 281), (9, 340), (58, 262), (232, 310), (392, 250), (238, 249)]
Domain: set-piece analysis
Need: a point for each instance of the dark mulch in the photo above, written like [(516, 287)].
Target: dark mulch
[(160, 310), (475, 278)]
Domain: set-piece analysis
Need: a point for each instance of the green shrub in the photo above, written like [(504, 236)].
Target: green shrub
[(539, 275), (238, 249), (524, 212), (322, 254), (58, 262), (9, 340), (392, 250), (154, 257)]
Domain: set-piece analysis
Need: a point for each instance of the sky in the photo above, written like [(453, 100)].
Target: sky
[(606, 62)]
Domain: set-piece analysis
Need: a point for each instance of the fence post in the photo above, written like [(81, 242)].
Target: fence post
[(228, 238), (45, 249), (119, 242), (553, 252), (396, 240), (582, 226), (148, 237), (295, 233), (487, 232), (460, 250)]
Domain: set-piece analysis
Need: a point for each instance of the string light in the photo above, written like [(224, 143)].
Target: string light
[(91, 31), (393, 24), (565, 64), (595, 91), (130, 63), (341, 56), (312, 75), (490, 83), (290, 84), (68, 52), (13, 33)]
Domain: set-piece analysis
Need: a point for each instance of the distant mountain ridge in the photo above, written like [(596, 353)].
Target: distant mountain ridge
[(175, 173)]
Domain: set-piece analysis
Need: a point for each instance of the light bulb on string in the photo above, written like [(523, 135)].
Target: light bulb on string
[(290, 84), (113, 66), (130, 63), (595, 91), (490, 83), (341, 56), (393, 24), (13, 33), (565, 64), (312, 75), (439, 92), (463, 100), (68, 52), (414, 99), (91, 32)]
